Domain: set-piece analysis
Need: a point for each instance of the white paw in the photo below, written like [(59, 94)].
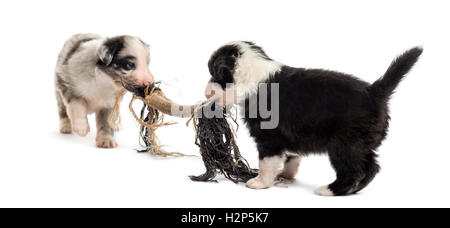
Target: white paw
[(81, 128), (257, 183), (324, 191), (104, 141), (65, 127)]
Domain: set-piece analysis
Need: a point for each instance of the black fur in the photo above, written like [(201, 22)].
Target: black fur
[(121, 63), (221, 65), (384, 87), (258, 49), (114, 46), (326, 111)]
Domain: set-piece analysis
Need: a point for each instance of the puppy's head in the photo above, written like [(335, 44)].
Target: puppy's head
[(222, 64), (126, 60), (236, 70)]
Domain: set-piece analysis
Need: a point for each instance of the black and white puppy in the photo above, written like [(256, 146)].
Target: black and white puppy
[(90, 72), (319, 111)]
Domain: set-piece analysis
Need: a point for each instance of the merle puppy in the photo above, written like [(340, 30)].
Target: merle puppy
[(319, 111), (90, 72)]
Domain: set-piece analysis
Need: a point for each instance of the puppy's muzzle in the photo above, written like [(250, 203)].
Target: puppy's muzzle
[(214, 91), (136, 89)]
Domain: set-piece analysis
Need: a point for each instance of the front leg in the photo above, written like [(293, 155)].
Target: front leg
[(105, 133), (268, 170), (78, 116)]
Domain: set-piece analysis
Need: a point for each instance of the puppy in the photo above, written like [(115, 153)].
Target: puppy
[(319, 111), (90, 72)]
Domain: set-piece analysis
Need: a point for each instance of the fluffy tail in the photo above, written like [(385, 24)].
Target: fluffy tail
[(383, 88)]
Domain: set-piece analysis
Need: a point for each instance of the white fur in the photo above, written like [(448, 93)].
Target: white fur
[(251, 69), (98, 89), (268, 170), (323, 191), (78, 116), (142, 72), (105, 141), (94, 89)]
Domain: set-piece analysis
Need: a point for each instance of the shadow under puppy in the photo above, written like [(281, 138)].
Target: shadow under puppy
[(319, 111), (90, 72)]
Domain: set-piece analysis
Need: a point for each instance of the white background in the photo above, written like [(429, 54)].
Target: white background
[(41, 168)]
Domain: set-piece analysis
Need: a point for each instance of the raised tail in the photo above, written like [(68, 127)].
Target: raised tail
[(383, 88)]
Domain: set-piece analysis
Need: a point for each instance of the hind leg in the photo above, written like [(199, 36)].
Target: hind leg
[(371, 168), (290, 167), (348, 163), (65, 127), (77, 110)]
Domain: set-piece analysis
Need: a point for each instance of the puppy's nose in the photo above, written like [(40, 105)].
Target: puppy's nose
[(150, 79)]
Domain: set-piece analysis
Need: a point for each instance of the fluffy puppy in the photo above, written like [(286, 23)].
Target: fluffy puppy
[(319, 111), (90, 72)]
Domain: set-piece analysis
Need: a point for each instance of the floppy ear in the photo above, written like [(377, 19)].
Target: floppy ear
[(105, 54), (220, 68)]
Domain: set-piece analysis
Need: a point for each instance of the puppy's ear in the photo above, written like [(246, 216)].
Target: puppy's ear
[(105, 54), (223, 75), (109, 48)]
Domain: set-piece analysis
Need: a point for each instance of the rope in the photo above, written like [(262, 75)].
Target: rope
[(214, 136)]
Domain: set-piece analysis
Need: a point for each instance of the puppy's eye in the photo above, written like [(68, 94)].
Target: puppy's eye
[(129, 66)]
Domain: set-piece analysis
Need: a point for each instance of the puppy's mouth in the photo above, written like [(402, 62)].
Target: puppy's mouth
[(137, 90)]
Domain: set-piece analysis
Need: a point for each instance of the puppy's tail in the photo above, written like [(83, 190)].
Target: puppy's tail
[(384, 87)]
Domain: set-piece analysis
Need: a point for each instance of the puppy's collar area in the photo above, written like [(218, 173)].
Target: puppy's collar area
[(252, 67)]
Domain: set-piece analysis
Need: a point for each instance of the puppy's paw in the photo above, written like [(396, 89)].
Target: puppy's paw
[(324, 191), (65, 127), (105, 141), (257, 183), (285, 175), (81, 128)]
